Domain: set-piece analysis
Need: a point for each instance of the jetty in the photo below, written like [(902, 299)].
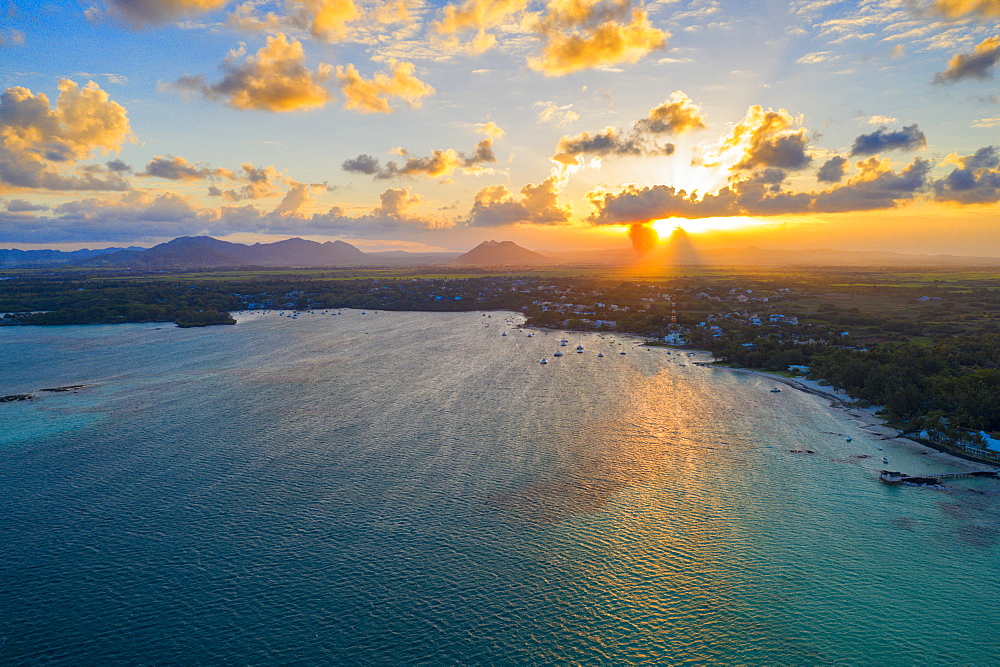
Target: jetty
[(893, 477)]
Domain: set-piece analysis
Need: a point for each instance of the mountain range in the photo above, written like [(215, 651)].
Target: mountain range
[(205, 251), (27, 259), (195, 252)]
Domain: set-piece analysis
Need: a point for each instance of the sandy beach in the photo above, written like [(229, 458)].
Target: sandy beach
[(930, 459)]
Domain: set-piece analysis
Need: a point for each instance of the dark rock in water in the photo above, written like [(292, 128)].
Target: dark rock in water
[(978, 535), (71, 387), (16, 397), (906, 523)]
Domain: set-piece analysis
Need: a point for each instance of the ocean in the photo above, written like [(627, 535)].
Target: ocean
[(417, 489)]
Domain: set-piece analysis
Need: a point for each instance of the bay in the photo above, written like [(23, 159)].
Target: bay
[(414, 488)]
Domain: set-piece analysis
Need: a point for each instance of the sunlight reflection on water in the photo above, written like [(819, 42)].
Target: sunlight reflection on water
[(405, 488)]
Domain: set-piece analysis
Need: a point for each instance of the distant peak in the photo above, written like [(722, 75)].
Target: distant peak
[(501, 252)]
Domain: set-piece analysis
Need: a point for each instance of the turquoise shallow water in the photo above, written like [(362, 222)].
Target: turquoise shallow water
[(413, 488)]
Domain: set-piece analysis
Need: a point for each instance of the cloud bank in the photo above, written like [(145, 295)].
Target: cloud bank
[(439, 164), (677, 115)]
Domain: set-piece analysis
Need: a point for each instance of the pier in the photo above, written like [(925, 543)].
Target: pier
[(892, 477)]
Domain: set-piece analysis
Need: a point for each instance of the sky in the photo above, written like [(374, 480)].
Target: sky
[(558, 124)]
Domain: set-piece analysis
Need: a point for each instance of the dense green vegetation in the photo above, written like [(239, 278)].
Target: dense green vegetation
[(923, 345), (954, 382), (66, 300)]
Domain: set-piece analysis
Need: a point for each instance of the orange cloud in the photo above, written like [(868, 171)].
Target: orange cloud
[(325, 19), (394, 11), (38, 143), (764, 139), (495, 205), (297, 200), (480, 16), (396, 202), (677, 115), (490, 129), (958, 8), (396, 211), (259, 183), (372, 95), (576, 34), (611, 42), (274, 79)]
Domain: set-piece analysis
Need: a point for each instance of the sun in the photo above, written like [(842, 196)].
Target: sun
[(702, 225)]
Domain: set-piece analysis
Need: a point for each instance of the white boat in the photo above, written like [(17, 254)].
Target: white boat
[(530, 335), (848, 438), (504, 333), (579, 348), (885, 460), (558, 354), (775, 390), (600, 354), (544, 361)]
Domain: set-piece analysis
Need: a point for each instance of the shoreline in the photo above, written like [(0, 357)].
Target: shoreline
[(871, 423)]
